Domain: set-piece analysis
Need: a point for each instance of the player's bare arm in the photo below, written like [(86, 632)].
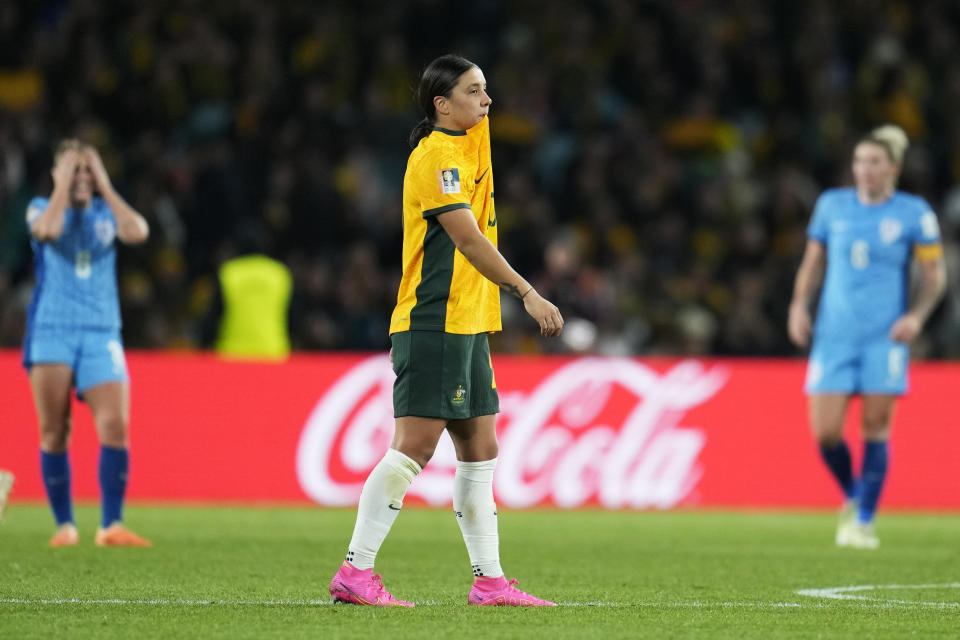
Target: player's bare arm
[(512, 289), (132, 228), (461, 226), (932, 286), (49, 225), (807, 283)]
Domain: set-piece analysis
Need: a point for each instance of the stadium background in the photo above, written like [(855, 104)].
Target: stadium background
[(657, 164), (657, 161)]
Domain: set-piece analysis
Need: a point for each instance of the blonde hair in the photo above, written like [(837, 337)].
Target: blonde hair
[(68, 144), (892, 138)]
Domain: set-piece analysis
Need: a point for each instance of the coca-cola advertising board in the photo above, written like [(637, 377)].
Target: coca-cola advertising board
[(617, 433)]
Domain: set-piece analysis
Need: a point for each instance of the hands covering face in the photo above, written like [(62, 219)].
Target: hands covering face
[(72, 162), (100, 177), (66, 167)]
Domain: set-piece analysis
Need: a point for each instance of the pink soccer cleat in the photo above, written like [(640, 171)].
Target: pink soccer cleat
[(361, 586), (497, 592)]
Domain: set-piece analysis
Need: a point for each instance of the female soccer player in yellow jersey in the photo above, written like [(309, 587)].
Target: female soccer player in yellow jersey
[(447, 303)]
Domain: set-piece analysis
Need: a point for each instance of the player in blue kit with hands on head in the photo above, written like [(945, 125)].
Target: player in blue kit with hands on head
[(864, 239), (73, 332)]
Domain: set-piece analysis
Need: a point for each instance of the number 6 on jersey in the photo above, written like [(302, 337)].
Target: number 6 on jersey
[(82, 265)]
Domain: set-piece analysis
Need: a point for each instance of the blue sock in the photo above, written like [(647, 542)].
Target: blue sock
[(838, 460), (113, 484), (871, 482), (55, 468)]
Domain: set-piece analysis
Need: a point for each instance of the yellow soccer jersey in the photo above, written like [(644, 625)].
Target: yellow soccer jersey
[(440, 289)]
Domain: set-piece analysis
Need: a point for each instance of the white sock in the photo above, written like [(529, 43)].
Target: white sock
[(380, 501), (477, 515)]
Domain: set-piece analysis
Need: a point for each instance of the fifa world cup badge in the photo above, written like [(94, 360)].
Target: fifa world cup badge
[(890, 230), (449, 180), (105, 231)]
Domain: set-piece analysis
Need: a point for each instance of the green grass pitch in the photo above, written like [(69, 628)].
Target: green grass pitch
[(218, 572)]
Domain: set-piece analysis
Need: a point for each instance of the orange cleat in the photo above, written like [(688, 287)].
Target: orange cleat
[(66, 536), (117, 535)]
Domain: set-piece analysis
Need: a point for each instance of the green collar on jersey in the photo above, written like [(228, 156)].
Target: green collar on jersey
[(450, 132)]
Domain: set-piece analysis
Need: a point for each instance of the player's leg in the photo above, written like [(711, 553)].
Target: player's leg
[(885, 379), (6, 486), (102, 383), (832, 377), (475, 441), (827, 415), (877, 418), (476, 444), (417, 361), (885, 369), (51, 384), (877, 413), (382, 495), (381, 500)]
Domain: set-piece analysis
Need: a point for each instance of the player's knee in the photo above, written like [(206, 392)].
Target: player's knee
[(876, 430), (876, 424), (421, 455), (477, 450), (829, 440), (113, 431), (54, 435), (417, 447), (54, 442), (419, 451), (828, 433)]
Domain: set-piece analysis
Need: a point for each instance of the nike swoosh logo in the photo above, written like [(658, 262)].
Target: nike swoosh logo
[(477, 181), (393, 507)]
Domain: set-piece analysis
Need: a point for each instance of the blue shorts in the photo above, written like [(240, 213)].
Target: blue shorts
[(878, 367), (95, 355)]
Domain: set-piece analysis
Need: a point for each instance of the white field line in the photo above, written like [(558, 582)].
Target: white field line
[(844, 593), (175, 603), (862, 602)]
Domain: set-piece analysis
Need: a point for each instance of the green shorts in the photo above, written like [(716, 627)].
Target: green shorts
[(443, 375)]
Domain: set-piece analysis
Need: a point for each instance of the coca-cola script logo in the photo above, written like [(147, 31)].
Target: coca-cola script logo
[(595, 431)]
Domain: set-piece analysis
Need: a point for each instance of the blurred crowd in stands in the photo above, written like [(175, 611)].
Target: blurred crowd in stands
[(656, 162)]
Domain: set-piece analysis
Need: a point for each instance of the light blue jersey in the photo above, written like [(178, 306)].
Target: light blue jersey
[(76, 280), (869, 249), (74, 315)]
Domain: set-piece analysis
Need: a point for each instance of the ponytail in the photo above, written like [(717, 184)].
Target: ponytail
[(422, 130), (892, 138)]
